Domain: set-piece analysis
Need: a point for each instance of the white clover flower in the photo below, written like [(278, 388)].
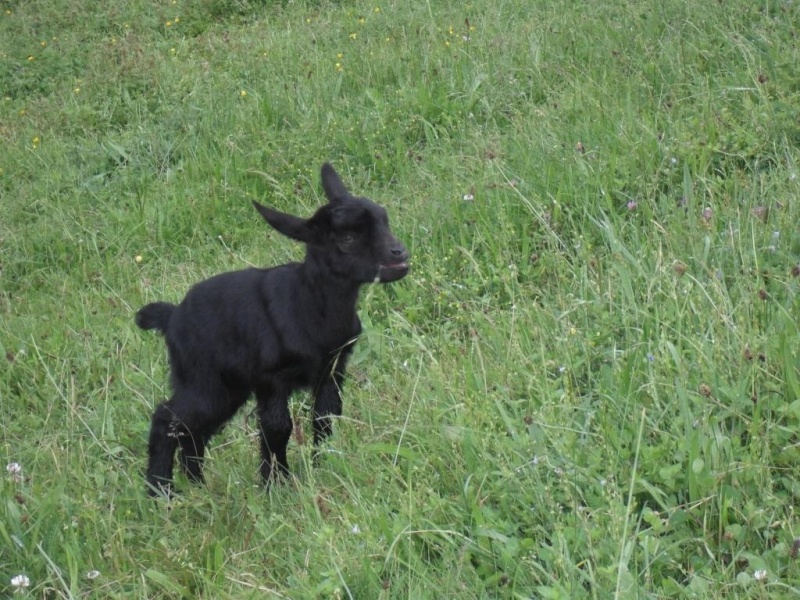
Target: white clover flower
[(356, 529), (93, 574), (20, 581), (760, 574), (15, 471)]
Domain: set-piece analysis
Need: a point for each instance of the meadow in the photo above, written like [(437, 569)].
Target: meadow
[(587, 387)]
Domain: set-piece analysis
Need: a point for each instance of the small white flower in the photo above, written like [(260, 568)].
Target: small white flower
[(468, 198), (15, 471), (760, 574), (93, 574), (355, 529), (20, 581)]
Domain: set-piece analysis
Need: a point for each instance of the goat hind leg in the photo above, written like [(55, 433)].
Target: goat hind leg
[(192, 451), (161, 450), (202, 415)]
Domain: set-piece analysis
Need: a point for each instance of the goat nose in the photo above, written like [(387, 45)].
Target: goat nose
[(398, 250)]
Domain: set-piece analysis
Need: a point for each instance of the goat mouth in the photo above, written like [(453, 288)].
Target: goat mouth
[(392, 271), (397, 265)]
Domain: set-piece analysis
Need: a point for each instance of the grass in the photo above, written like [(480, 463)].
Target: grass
[(589, 385)]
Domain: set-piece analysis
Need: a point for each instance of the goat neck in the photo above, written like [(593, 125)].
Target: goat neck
[(332, 296)]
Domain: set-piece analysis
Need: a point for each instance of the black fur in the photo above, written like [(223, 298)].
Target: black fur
[(270, 332)]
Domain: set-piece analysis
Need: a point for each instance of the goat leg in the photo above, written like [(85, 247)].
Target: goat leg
[(327, 403), (161, 450), (192, 451), (276, 428)]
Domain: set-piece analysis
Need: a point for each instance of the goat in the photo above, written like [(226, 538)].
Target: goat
[(269, 332)]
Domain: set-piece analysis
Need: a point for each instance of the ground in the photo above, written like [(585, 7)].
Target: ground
[(587, 387)]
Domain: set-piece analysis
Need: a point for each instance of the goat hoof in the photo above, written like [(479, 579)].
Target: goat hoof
[(162, 490)]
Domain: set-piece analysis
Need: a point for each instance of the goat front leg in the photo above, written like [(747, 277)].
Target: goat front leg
[(327, 403), (328, 398), (275, 423)]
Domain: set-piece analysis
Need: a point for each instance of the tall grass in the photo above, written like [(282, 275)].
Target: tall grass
[(587, 387)]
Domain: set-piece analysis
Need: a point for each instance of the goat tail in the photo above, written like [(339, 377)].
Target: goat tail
[(155, 316)]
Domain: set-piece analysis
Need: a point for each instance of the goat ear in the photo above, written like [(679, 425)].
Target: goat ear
[(289, 225), (332, 185)]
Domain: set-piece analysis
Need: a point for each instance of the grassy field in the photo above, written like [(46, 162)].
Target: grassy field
[(587, 387)]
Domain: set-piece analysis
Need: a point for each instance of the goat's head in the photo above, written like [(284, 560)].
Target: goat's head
[(350, 235)]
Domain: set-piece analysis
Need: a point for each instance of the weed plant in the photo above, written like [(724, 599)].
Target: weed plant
[(588, 386)]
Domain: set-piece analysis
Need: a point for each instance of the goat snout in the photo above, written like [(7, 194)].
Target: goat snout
[(395, 266)]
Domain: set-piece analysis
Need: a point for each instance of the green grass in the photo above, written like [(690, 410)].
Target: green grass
[(588, 386)]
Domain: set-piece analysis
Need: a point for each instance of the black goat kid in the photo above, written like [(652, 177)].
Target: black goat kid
[(270, 332)]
